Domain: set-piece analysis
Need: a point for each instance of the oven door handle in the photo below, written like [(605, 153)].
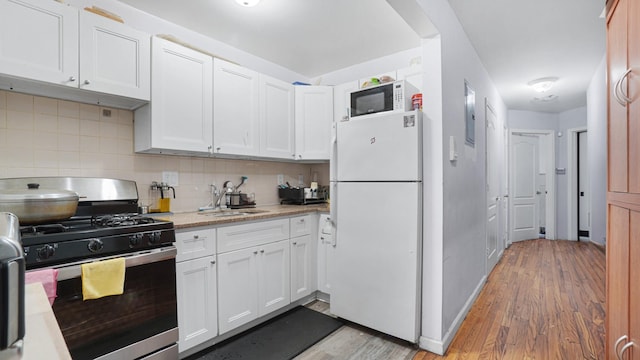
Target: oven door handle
[(72, 271)]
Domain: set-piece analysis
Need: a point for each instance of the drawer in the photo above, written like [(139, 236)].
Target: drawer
[(300, 225), (242, 236), (194, 243)]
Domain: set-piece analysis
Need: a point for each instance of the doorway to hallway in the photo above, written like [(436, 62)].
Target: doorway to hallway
[(531, 185)]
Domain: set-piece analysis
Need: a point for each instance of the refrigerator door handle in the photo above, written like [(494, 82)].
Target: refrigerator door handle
[(333, 210)]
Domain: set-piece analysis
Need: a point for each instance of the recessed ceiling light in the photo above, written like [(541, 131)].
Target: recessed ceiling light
[(542, 84), (248, 3)]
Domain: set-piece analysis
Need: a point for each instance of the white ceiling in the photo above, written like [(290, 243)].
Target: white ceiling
[(518, 41)]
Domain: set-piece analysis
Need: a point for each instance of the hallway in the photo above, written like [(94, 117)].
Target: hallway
[(544, 300)]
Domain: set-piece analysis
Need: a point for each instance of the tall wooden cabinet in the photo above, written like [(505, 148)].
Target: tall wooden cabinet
[(623, 195)]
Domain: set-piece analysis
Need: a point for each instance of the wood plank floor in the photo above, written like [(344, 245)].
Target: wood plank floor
[(544, 300)]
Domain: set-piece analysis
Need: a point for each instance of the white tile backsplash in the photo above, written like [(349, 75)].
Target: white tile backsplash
[(75, 139)]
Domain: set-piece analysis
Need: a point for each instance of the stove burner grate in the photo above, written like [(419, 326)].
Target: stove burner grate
[(43, 229), (121, 220)]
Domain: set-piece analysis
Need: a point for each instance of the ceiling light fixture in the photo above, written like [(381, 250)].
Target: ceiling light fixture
[(542, 84), (248, 3), (545, 99)]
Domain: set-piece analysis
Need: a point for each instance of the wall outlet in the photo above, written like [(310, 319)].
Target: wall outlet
[(280, 179), (170, 178)]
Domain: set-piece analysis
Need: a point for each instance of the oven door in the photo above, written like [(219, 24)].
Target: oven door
[(142, 322)]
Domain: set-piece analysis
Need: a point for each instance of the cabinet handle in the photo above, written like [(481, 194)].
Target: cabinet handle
[(262, 251), (196, 236), (87, 82), (295, 243), (300, 156), (218, 149), (72, 78), (621, 90), (213, 262), (255, 252), (617, 90), (615, 347), (624, 348)]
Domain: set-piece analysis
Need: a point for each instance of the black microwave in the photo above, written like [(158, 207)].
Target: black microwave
[(392, 96)]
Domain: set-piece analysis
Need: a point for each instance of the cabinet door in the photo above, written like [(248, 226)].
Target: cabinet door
[(235, 110), (238, 288), (197, 301), (325, 248), (276, 118), (342, 100), (303, 267), (617, 65), (633, 86), (274, 289), (300, 225), (44, 41), (114, 58), (617, 277), (634, 285), (181, 108), (314, 115)]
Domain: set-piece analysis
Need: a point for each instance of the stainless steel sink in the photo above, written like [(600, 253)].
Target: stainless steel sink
[(231, 212)]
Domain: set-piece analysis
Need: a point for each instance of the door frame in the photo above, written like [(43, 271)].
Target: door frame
[(550, 208), (572, 186)]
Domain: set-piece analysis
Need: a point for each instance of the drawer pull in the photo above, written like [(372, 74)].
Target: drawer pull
[(196, 236), (295, 243), (213, 262)]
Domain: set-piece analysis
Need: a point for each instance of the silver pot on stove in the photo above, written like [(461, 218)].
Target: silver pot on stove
[(35, 206)]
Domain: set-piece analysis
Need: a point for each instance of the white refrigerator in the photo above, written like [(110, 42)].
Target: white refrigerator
[(376, 206)]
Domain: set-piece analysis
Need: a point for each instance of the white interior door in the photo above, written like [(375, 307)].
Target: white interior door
[(584, 225), (492, 188), (524, 171)]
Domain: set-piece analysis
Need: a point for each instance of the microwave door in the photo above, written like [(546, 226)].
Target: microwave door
[(373, 100)]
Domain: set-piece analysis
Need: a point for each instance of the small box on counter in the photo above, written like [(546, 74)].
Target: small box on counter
[(303, 196)]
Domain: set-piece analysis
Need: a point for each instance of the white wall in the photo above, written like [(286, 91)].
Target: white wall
[(597, 138), (463, 204)]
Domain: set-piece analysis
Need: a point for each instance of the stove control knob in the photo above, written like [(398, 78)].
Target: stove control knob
[(46, 252), (134, 240), (95, 245), (155, 237)]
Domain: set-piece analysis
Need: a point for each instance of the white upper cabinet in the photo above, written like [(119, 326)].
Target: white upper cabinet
[(179, 118), (114, 58), (313, 118), (342, 100), (39, 40), (276, 118), (235, 109)]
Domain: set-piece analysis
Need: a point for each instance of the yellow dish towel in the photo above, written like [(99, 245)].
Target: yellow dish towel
[(103, 278)]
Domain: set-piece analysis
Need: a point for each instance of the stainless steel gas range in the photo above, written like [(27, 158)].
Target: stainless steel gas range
[(140, 323)]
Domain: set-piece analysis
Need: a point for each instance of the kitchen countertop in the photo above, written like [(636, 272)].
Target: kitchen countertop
[(43, 339), (193, 219)]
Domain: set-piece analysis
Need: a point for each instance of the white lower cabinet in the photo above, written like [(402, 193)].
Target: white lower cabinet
[(303, 267), (197, 301), (196, 286), (303, 257), (252, 283)]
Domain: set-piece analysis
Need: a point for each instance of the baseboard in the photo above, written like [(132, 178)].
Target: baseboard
[(440, 346), (601, 247)]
